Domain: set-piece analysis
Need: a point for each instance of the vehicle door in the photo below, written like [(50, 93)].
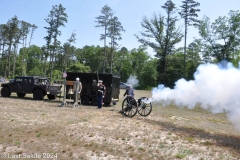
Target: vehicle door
[(27, 85), (16, 86)]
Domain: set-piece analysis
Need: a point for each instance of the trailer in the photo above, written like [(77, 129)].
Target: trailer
[(89, 87)]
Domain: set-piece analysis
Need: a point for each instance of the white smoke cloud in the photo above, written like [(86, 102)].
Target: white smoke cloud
[(133, 81), (215, 88)]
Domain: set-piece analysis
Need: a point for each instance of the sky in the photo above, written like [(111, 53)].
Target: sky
[(82, 16)]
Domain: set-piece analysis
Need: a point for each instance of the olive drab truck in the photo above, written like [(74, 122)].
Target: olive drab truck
[(89, 87)]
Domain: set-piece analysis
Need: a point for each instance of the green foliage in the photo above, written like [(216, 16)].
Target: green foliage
[(34, 62), (91, 56), (57, 75), (56, 19), (78, 67), (188, 13), (148, 74), (161, 35), (220, 39)]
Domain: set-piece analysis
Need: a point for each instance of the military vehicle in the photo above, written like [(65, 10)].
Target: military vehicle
[(36, 85), (89, 87)]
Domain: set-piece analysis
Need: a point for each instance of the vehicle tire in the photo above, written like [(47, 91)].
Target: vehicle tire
[(5, 92), (94, 101), (129, 109), (38, 94), (21, 95), (51, 97), (144, 108), (85, 100)]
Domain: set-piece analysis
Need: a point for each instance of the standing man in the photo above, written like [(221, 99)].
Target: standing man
[(78, 89), (101, 90)]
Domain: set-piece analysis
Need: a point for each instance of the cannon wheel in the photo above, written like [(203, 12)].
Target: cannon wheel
[(130, 109), (144, 109)]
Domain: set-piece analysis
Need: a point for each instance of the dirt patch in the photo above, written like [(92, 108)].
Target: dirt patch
[(43, 130)]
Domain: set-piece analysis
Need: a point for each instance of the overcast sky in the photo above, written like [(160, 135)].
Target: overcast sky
[(82, 13)]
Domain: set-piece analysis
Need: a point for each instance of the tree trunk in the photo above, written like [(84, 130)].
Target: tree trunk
[(119, 71), (185, 41), (111, 64), (9, 54), (105, 55), (5, 71), (45, 61), (1, 53), (14, 59), (51, 68)]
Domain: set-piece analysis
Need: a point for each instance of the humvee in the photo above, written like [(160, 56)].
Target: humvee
[(36, 85)]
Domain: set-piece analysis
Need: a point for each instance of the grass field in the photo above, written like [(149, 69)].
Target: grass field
[(43, 130)]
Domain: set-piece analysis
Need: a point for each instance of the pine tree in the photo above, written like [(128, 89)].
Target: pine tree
[(188, 12), (104, 22)]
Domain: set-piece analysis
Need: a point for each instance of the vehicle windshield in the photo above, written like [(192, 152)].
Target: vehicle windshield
[(42, 81)]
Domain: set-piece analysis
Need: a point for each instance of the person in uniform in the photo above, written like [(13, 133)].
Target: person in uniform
[(129, 91), (101, 90), (78, 89), (130, 95)]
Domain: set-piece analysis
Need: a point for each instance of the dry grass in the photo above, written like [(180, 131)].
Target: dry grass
[(41, 128)]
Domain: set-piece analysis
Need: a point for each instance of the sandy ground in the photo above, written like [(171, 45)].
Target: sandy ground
[(42, 130)]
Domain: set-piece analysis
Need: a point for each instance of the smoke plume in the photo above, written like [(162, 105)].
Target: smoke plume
[(215, 88), (133, 81)]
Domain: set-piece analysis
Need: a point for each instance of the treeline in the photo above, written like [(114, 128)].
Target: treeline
[(219, 40)]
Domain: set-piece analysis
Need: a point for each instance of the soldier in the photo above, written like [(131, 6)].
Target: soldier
[(100, 93), (129, 91), (130, 96)]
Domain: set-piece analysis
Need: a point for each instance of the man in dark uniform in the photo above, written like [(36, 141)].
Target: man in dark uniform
[(101, 90), (129, 91), (130, 95)]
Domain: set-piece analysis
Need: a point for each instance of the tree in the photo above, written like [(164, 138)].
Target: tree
[(137, 58), (148, 74), (123, 51), (104, 22), (188, 12), (3, 43), (78, 67), (23, 32), (56, 19), (221, 38), (34, 62), (170, 9), (114, 30), (44, 59), (90, 56), (68, 51), (34, 27), (162, 36), (11, 30), (193, 58)]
